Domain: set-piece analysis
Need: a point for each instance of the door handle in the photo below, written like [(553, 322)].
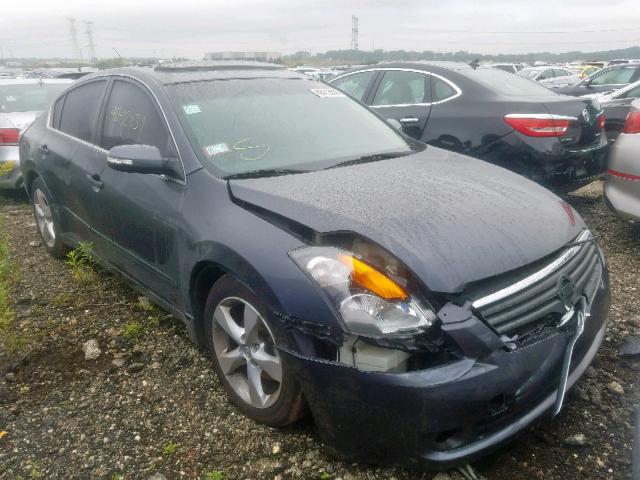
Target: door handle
[(409, 120), (95, 182), (44, 149)]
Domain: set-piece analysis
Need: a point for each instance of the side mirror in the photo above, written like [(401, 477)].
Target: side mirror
[(138, 159)]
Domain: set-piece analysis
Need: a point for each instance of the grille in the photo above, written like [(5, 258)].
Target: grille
[(535, 299)]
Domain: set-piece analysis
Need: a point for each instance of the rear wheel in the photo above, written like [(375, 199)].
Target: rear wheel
[(243, 348), (46, 221)]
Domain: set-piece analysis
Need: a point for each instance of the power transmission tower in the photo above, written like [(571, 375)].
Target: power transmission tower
[(91, 45), (73, 32), (354, 32)]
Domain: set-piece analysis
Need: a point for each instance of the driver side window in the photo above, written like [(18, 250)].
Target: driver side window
[(131, 117)]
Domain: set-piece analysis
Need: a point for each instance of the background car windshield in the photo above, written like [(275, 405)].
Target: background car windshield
[(528, 73), (242, 126), (507, 84), (29, 98)]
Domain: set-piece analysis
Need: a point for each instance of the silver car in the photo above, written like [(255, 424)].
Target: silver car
[(550, 75), (21, 100), (622, 186)]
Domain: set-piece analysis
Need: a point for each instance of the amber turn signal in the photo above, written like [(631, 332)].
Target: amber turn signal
[(377, 282)]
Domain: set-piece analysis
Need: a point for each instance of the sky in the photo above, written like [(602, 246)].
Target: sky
[(189, 28)]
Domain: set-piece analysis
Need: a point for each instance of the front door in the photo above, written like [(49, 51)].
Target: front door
[(138, 213)]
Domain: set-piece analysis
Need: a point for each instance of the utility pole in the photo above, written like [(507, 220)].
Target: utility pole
[(354, 32), (73, 32), (91, 45)]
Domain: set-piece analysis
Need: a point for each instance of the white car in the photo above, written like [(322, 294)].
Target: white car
[(550, 75), (21, 100)]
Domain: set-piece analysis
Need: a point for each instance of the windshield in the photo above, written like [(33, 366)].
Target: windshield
[(508, 84), (528, 73), (34, 97), (240, 126)]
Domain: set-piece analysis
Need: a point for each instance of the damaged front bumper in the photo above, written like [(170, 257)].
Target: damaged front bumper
[(453, 413)]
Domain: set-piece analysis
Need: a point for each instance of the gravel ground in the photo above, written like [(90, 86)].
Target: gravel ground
[(140, 400)]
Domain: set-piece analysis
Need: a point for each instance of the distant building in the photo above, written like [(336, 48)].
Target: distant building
[(255, 56)]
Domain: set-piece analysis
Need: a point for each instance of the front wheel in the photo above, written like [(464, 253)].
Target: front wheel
[(243, 348), (47, 225)]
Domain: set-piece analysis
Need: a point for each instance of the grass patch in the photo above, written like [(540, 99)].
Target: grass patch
[(169, 449), (11, 339), (81, 261), (133, 330), (215, 475)]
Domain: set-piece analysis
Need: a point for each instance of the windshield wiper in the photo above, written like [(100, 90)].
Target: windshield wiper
[(268, 172), (369, 158)]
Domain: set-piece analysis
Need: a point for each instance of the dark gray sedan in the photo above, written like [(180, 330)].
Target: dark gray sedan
[(423, 306)]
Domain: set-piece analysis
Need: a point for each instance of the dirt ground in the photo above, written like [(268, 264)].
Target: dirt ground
[(149, 403)]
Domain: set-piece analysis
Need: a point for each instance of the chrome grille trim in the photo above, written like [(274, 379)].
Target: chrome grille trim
[(535, 277)]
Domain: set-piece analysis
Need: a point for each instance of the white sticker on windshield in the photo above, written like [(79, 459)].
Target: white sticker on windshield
[(217, 149), (326, 92), (191, 109)]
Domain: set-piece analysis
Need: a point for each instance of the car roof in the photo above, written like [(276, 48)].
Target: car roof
[(201, 71), (34, 81)]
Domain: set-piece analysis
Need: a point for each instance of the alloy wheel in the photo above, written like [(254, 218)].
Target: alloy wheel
[(246, 352), (44, 218)]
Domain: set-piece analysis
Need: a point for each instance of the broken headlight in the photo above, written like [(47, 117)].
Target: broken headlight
[(370, 302)]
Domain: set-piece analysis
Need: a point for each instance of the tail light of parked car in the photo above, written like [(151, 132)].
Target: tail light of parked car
[(632, 124), (539, 125), (9, 136), (601, 121)]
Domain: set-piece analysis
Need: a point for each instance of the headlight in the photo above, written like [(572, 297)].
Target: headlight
[(370, 302)]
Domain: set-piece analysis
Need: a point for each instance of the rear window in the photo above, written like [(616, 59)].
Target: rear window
[(508, 85), (29, 98), (240, 126), (80, 110)]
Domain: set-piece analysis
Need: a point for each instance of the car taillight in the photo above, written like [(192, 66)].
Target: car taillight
[(9, 136), (601, 121), (539, 125), (632, 123)]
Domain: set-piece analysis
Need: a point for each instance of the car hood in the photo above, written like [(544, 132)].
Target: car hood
[(451, 219)]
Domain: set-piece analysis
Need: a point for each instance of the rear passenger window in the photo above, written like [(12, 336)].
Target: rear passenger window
[(80, 111), (355, 84), (441, 90), (131, 118), (57, 110)]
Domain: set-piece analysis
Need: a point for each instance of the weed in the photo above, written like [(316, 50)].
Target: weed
[(62, 300), (81, 261), (326, 476), (133, 330), (215, 475), (170, 448)]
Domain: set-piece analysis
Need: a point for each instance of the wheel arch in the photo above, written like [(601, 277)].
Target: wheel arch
[(208, 270)]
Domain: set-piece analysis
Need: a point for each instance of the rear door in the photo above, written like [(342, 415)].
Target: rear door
[(68, 153), (138, 213), (404, 95)]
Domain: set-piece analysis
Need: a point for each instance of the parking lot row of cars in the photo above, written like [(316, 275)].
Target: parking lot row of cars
[(336, 247)]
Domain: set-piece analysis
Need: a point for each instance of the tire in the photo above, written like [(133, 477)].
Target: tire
[(48, 225), (256, 377)]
